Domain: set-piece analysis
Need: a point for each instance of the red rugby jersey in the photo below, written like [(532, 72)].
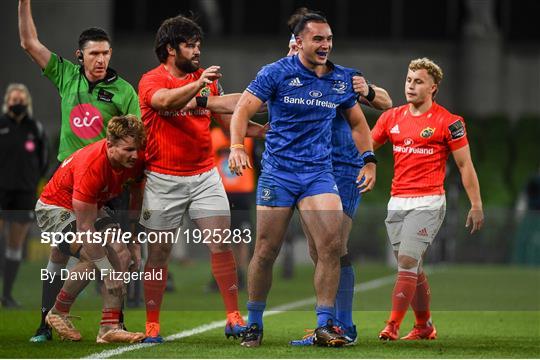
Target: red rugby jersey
[(421, 145), (88, 176), (178, 142)]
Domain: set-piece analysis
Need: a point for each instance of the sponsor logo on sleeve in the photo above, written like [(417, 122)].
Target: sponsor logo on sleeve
[(457, 129)]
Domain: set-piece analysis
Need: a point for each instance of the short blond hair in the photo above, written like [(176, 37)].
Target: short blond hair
[(22, 88), (120, 127), (429, 65)]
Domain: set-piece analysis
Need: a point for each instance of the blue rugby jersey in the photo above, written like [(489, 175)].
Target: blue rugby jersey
[(345, 156), (301, 109)]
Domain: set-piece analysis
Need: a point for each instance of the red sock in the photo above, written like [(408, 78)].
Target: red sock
[(153, 293), (110, 317), (402, 295), (421, 299), (224, 271), (64, 301)]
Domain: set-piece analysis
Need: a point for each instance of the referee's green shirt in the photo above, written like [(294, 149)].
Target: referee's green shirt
[(87, 107)]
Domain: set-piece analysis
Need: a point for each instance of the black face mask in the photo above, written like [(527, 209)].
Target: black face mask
[(18, 109)]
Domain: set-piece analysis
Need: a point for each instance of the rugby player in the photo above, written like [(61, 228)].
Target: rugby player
[(304, 92), (91, 94), (346, 163), (72, 202), (423, 134), (181, 174)]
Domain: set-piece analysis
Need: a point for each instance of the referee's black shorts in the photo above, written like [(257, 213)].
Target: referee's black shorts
[(17, 205)]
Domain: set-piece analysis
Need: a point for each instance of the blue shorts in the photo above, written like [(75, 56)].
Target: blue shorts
[(284, 188), (348, 191)]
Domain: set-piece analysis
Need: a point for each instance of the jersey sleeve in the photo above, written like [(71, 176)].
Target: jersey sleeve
[(350, 97), (379, 132), (265, 84), (349, 102), (131, 103), (149, 84), (456, 133), (87, 183), (59, 70)]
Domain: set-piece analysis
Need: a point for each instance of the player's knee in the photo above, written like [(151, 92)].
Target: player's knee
[(330, 251), (266, 256), (408, 263)]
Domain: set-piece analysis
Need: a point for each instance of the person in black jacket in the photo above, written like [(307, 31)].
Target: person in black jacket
[(23, 161)]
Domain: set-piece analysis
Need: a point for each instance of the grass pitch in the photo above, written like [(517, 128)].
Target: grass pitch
[(479, 312)]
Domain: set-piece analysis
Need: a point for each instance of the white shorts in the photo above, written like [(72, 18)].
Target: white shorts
[(413, 222), (52, 218), (167, 198), (57, 219)]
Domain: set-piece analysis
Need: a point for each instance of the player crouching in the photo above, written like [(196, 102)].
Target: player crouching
[(72, 202)]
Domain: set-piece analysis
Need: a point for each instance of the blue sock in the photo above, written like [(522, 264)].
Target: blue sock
[(344, 297), (324, 313), (255, 312)]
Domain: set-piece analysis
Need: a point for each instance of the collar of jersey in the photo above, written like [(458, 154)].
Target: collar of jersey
[(309, 72), (430, 110), (110, 76)]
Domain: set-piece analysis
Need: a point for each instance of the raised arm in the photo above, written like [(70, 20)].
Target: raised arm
[(247, 107), (174, 99), (362, 139), (462, 157), (29, 38)]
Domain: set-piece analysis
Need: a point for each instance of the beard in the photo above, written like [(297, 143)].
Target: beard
[(185, 65)]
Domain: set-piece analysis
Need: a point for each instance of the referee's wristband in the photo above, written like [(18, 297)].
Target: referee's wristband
[(368, 157), (201, 101)]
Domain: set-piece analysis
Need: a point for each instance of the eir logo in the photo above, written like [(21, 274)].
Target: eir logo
[(86, 121)]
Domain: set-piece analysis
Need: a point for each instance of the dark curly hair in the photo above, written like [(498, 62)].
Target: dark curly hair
[(174, 31)]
